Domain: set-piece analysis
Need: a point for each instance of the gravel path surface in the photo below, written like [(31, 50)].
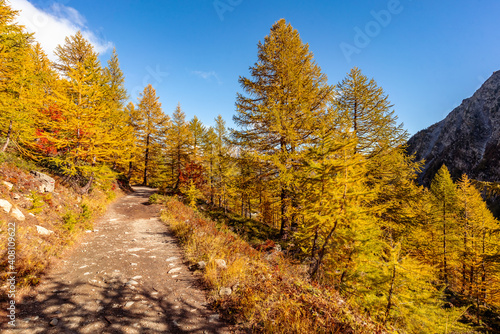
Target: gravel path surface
[(128, 276)]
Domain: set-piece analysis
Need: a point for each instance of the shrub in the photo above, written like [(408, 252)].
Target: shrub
[(86, 212), (70, 220), (37, 202), (153, 199)]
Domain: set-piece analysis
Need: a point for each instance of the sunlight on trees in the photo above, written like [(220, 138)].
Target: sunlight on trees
[(323, 166)]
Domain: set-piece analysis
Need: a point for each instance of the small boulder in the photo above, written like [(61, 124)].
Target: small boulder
[(225, 291), (198, 266), (213, 318), (5, 205), (54, 322), (17, 214), (221, 264), (174, 270), (43, 230), (48, 183), (8, 185)]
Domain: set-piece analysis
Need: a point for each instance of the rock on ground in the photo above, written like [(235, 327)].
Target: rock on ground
[(48, 183), (5, 205), (42, 230), (17, 214)]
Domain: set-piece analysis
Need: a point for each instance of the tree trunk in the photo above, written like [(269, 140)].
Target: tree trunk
[(471, 280), (9, 133), (322, 251), (178, 180), (249, 208), (464, 260), (445, 266), (85, 189), (483, 269), (146, 160), (129, 176), (284, 207), (342, 277), (284, 196), (389, 297), (211, 182), (242, 206), (313, 248)]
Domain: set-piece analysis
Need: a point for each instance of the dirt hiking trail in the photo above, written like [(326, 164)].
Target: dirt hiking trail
[(128, 276)]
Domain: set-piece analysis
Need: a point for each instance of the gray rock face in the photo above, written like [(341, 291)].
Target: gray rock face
[(48, 183), (467, 140)]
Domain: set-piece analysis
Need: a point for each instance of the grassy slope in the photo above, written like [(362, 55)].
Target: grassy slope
[(269, 292)]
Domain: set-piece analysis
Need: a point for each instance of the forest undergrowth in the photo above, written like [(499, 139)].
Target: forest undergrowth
[(270, 292)]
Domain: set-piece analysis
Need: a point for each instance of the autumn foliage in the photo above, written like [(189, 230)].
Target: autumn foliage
[(323, 165)]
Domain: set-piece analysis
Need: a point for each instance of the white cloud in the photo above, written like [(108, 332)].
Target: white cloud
[(52, 25), (207, 75)]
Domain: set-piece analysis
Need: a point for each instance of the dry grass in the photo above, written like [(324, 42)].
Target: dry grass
[(270, 293)]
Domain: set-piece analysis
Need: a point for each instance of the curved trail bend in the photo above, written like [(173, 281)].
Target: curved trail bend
[(126, 277)]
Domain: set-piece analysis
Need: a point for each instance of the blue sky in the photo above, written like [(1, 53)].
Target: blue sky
[(427, 55)]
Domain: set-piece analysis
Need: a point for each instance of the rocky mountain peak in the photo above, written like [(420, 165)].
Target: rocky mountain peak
[(467, 140)]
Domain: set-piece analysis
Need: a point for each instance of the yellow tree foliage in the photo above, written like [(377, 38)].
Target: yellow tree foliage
[(178, 145), (278, 115), (150, 125), (84, 134), (479, 272), (115, 97), (368, 112), (333, 195), (445, 205), (19, 96), (198, 132)]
